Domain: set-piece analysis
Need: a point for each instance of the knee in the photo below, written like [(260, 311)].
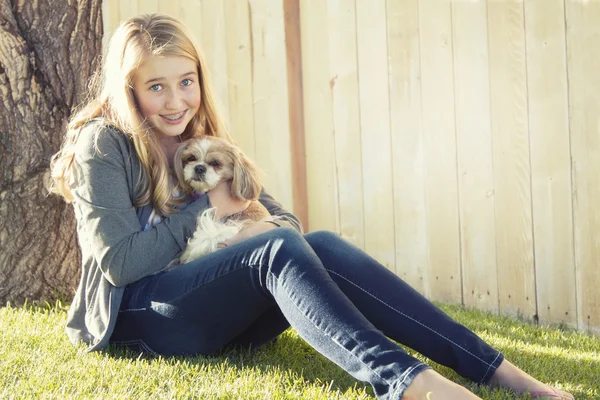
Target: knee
[(322, 238), (285, 244), (285, 237)]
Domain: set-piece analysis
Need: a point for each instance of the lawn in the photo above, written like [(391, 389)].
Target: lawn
[(38, 362)]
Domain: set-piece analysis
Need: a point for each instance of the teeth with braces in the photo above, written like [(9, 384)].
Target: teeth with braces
[(174, 117)]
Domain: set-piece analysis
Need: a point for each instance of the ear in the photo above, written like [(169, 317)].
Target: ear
[(178, 167), (246, 184)]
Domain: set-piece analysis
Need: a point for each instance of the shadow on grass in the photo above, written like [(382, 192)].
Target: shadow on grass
[(290, 353)]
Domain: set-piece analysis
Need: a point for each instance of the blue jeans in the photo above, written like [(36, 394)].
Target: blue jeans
[(340, 300)]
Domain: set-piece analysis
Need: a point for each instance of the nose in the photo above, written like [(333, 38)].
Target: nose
[(173, 100), (200, 169)]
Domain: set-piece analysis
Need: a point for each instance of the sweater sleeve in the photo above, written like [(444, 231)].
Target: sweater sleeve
[(108, 226), (286, 218)]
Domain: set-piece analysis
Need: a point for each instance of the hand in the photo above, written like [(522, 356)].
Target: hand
[(247, 232), (226, 205)]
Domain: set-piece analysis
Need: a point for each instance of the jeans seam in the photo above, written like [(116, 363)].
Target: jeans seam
[(133, 309), (414, 320), (489, 368), (405, 376), (330, 337), (411, 369)]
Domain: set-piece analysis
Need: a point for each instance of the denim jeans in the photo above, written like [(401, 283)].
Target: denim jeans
[(340, 300)]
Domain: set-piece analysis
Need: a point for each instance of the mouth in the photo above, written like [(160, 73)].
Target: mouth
[(174, 119), (199, 185)]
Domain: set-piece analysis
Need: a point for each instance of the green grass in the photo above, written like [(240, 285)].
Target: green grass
[(37, 361)]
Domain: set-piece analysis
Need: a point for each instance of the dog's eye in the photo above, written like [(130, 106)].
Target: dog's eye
[(190, 159), (214, 164)]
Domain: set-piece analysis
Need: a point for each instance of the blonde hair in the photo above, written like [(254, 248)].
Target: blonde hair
[(112, 100)]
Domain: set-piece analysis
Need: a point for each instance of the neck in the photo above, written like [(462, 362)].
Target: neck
[(169, 144)]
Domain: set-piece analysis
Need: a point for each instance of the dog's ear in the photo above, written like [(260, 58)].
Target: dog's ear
[(178, 167), (246, 184)]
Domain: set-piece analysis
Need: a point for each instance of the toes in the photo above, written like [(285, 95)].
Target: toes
[(552, 394)]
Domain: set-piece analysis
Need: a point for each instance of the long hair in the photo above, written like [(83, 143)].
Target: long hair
[(111, 99)]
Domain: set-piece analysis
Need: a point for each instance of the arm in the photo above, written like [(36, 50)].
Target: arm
[(285, 218), (108, 226)]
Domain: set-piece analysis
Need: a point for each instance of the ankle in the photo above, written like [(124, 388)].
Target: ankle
[(429, 385), (509, 376)]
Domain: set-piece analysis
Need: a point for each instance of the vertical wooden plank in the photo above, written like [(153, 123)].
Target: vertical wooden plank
[(271, 113), (550, 160), (110, 19), (508, 88), (583, 59), (215, 50), (128, 9), (346, 119), (474, 154), (407, 143), (318, 126), (375, 130), (175, 8), (147, 6), (191, 15), (293, 47), (440, 150), (239, 74)]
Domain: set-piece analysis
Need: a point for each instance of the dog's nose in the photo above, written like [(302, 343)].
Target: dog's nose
[(200, 169)]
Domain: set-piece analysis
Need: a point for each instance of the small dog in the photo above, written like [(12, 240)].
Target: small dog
[(202, 163)]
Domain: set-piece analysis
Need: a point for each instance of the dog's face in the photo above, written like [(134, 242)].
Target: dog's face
[(201, 163)]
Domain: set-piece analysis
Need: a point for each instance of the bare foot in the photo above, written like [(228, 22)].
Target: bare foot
[(429, 385), (509, 376)]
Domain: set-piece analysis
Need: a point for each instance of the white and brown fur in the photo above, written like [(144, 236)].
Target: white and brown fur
[(202, 163)]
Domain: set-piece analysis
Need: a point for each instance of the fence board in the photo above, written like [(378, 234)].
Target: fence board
[(440, 150), (110, 19), (407, 143), (346, 119), (583, 31), (271, 113), (474, 155), (550, 161), (215, 49), (375, 128), (147, 6), (171, 7), (318, 125), (239, 75), (291, 9), (191, 15), (128, 9), (410, 149), (508, 85)]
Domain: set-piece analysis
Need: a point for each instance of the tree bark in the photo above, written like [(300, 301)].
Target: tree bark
[(48, 51)]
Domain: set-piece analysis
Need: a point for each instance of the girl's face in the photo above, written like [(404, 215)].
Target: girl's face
[(167, 90)]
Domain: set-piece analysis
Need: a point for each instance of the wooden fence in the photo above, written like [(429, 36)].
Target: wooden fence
[(458, 142)]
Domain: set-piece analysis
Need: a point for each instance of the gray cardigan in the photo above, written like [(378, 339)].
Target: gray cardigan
[(115, 250)]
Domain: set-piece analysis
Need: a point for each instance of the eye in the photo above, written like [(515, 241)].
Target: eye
[(187, 82), (190, 159), (214, 164), (156, 88)]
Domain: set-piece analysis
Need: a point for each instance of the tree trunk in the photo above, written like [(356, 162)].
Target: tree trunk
[(48, 51)]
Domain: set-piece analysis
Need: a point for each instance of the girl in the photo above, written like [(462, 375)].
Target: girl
[(115, 168)]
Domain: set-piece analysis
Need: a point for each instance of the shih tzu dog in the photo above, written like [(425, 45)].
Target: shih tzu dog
[(202, 163)]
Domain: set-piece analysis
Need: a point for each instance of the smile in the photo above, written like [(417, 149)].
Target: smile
[(174, 118)]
